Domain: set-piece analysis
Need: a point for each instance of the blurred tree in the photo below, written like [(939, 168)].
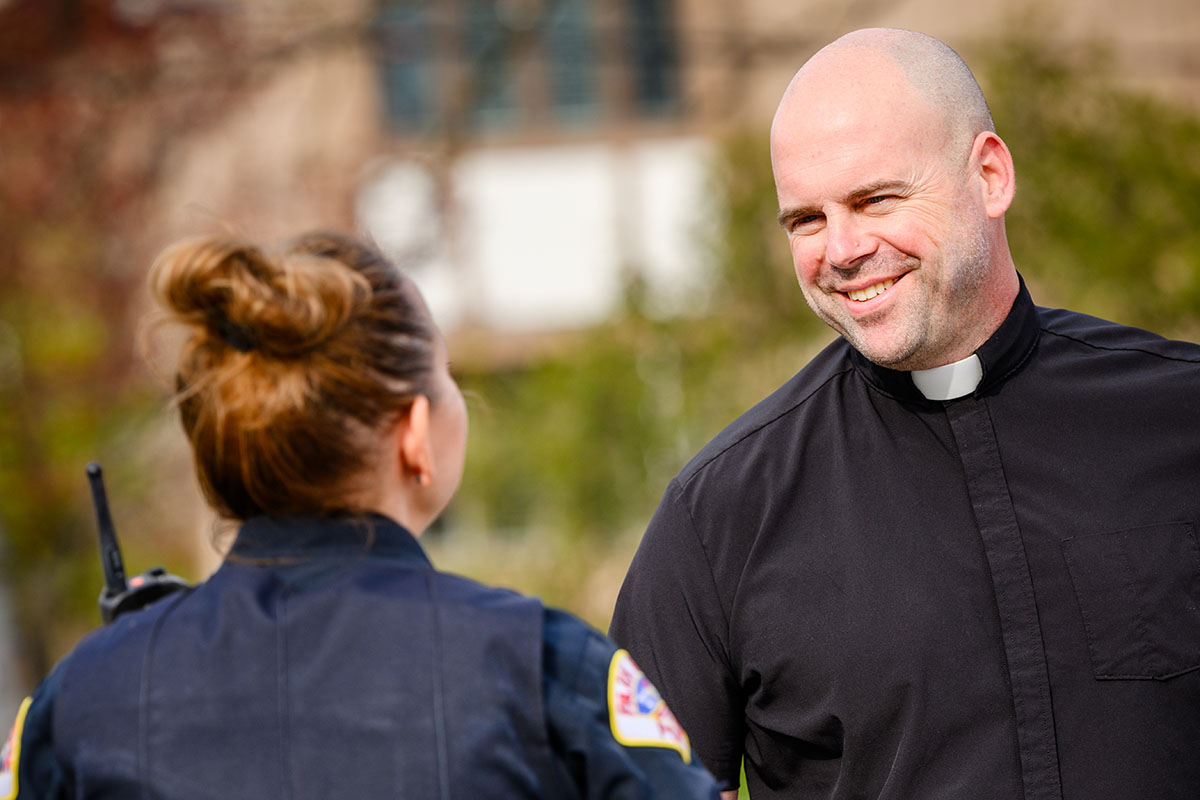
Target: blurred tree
[(86, 127), (1108, 187)]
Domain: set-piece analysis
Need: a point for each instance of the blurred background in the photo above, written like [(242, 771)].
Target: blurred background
[(582, 190)]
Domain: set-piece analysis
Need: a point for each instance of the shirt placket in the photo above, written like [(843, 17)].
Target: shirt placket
[(1013, 585)]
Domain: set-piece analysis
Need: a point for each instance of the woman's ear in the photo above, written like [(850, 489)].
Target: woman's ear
[(996, 172), (415, 452)]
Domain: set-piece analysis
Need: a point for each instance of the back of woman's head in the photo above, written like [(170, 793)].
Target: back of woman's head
[(294, 361)]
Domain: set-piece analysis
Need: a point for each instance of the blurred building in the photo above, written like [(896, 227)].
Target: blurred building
[(529, 160), (551, 158)]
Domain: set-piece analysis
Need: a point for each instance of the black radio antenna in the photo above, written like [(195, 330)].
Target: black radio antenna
[(120, 595), (110, 551)]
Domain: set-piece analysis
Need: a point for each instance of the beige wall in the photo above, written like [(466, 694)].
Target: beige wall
[(287, 152), (741, 53)]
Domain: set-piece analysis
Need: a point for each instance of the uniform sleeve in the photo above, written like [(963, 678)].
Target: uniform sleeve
[(28, 766), (608, 725), (670, 618)]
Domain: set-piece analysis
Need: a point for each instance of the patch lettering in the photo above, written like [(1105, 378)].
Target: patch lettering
[(10, 755), (637, 713)]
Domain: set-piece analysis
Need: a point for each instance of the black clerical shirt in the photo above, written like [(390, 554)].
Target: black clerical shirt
[(868, 594)]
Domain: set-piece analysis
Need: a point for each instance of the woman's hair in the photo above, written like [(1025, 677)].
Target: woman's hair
[(294, 360)]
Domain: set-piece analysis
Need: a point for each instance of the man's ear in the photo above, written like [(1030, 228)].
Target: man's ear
[(416, 456), (996, 172)]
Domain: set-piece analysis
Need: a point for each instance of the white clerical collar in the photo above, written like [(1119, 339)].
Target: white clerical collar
[(950, 381)]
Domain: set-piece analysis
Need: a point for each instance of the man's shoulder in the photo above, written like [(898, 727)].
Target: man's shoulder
[(757, 426), (1102, 335)]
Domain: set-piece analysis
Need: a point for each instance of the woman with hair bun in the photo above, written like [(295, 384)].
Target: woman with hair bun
[(326, 657)]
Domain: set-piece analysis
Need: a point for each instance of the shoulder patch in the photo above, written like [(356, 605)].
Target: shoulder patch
[(637, 712), (10, 755)]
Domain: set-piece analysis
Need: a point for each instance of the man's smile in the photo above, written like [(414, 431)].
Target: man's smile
[(862, 295)]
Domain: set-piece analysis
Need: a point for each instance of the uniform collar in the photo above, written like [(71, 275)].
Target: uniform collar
[(999, 357), (269, 537)]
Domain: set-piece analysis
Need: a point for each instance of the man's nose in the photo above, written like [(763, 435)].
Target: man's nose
[(846, 241)]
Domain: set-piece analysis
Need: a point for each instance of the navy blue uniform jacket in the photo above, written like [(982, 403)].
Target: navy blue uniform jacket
[(328, 659)]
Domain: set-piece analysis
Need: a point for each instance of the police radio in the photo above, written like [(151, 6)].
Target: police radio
[(118, 595)]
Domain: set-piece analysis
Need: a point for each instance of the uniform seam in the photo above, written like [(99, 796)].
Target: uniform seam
[(285, 767), (143, 734), (538, 693), (726, 654), (711, 573), (576, 662), (56, 742), (678, 488), (439, 711), (559, 729), (1030, 619), (758, 428), (1120, 349)]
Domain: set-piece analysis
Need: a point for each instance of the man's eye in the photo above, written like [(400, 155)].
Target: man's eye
[(804, 223), (880, 199)]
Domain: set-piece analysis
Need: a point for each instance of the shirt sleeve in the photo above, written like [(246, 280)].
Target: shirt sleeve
[(29, 767), (607, 723), (669, 616)]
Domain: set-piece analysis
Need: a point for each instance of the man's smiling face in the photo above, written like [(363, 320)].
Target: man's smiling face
[(888, 232)]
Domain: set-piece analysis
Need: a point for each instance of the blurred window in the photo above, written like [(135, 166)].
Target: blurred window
[(488, 44), (524, 62), (571, 61), (654, 57), (406, 64)]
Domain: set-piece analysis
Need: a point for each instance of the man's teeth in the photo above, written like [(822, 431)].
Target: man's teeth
[(866, 294)]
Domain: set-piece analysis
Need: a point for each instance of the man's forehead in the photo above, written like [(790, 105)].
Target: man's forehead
[(846, 176), (848, 81), (842, 56), (866, 99), (839, 157)]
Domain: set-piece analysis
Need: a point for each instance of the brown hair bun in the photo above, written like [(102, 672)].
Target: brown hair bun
[(294, 359)]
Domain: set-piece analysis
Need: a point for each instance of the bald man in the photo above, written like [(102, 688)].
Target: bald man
[(956, 555)]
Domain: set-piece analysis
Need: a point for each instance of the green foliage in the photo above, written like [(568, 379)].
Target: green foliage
[(1108, 188), (75, 198), (65, 396), (753, 268)]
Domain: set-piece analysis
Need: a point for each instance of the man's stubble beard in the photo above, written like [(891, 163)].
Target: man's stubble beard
[(923, 340)]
